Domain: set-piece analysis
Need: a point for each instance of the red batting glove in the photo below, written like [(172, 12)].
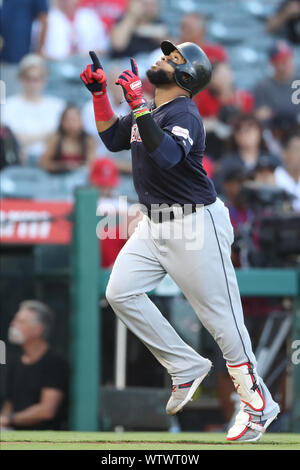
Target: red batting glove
[(94, 76), (95, 80), (132, 86)]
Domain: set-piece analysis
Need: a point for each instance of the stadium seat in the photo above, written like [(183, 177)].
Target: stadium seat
[(23, 182), (35, 183)]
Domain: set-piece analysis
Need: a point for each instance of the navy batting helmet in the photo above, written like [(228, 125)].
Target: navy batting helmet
[(195, 73)]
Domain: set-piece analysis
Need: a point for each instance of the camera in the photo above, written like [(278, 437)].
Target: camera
[(272, 239)]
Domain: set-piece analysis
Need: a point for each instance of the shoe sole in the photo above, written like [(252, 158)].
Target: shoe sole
[(258, 437), (189, 396)]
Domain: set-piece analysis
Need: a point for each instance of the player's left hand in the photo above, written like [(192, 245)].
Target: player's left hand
[(132, 86)]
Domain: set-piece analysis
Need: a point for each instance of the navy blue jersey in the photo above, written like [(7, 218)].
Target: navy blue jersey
[(187, 181)]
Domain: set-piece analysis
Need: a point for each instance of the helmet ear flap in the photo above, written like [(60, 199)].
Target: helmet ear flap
[(185, 77)]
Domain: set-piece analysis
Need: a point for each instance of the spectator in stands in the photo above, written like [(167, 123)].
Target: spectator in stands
[(286, 20), (193, 29), (70, 147), (264, 170), (234, 175), (15, 35), (273, 94), (73, 31), (288, 177), (138, 30), (218, 104), (279, 128), (246, 144), (104, 175), (31, 115), (9, 148), (37, 382), (222, 92), (107, 10)]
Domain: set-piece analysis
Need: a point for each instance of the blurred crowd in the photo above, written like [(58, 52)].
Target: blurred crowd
[(43, 130), (253, 135)]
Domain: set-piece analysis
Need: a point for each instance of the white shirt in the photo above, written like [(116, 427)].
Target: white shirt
[(285, 181), (32, 118), (65, 37)]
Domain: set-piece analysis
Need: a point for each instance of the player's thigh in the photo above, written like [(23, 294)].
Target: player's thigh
[(206, 275), (136, 269)]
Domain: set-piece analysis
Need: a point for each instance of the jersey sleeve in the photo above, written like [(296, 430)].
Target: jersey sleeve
[(117, 137), (185, 130)]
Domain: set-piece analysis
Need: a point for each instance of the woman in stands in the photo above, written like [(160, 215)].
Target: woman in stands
[(245, 147), (70, 147)]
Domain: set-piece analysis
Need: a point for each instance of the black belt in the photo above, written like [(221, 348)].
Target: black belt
[(161, 216)]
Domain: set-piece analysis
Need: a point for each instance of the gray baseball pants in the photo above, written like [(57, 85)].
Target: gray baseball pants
[(195, 250)]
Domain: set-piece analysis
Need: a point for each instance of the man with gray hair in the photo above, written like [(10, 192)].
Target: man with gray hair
[(37, 383)]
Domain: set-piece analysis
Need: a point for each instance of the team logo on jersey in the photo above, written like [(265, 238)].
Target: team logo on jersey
[(135, 135), (181, 132)]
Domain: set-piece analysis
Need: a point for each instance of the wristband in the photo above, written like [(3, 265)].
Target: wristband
[(141, 111), (102, 107)]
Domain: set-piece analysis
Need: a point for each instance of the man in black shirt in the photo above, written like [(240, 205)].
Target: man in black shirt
[(286, 20), (37, 383)]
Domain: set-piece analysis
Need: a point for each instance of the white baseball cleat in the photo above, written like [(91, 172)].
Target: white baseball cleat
[(183, 393), (246, 382), (245, 430)]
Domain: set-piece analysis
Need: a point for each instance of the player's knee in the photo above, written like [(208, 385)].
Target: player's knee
[(114, 293), (109, 294)]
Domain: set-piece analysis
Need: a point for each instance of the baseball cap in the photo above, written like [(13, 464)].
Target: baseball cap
[(234, 172), (104, 172), (31, 60), (266, 161), (280, 51)]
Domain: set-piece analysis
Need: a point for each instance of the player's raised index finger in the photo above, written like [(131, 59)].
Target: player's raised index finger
[(134, 67), (95, 60)]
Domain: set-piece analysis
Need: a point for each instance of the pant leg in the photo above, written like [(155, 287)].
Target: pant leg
[(135, 272), (207, 278)]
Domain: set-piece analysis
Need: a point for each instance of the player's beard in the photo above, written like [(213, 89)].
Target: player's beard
[(160, 77)]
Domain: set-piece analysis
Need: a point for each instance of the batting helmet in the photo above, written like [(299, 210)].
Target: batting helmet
[(195, 73)]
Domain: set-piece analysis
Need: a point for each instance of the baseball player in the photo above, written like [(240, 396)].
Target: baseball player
[(167, 142)]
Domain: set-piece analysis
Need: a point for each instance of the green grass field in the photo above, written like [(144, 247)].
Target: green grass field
[(51, 440)]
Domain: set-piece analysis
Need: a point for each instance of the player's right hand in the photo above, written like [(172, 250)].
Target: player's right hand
[(94, 76)]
